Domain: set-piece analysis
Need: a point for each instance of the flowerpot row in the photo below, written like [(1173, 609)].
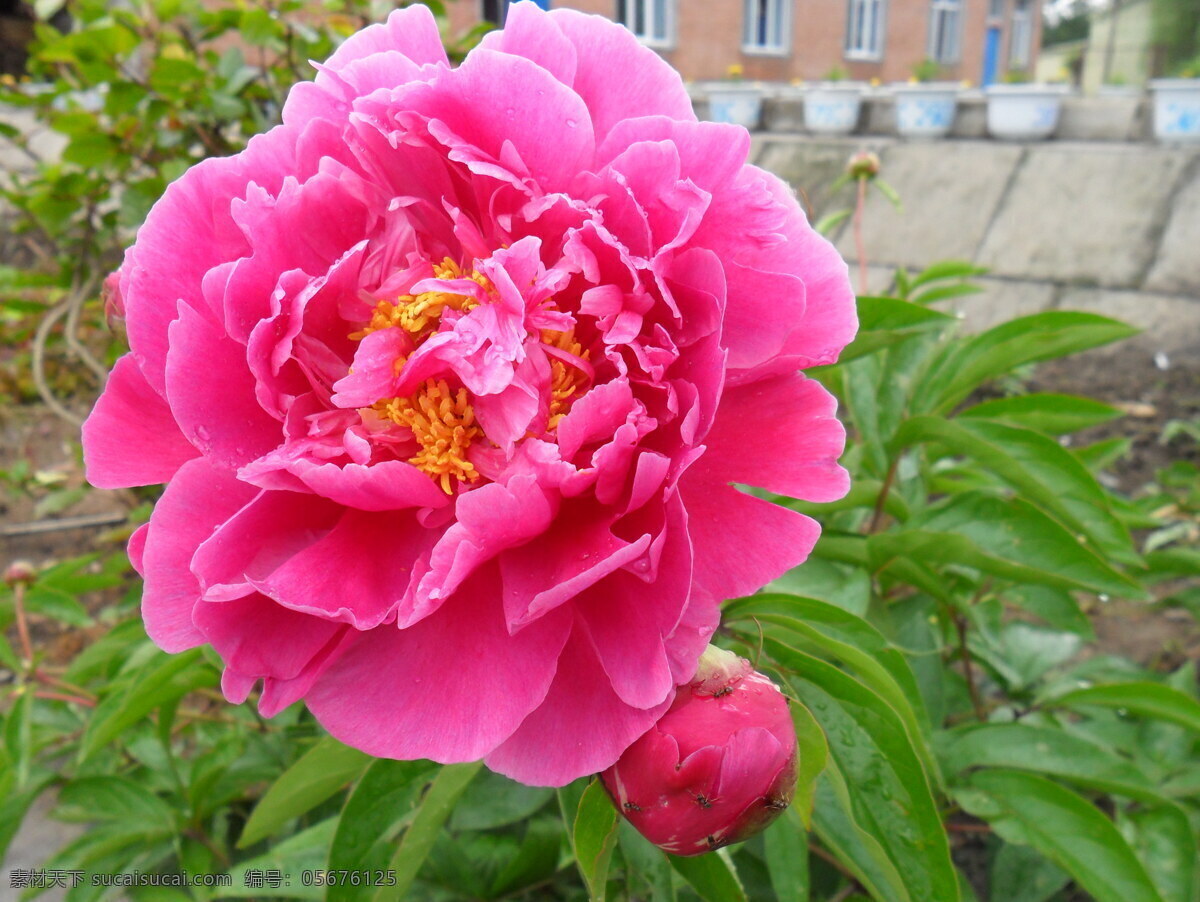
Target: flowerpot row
[(1016, 112)]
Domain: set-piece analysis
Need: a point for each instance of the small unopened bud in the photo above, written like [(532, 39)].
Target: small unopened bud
[(864, 164), (20, 572), (717, 768), (114, 301)]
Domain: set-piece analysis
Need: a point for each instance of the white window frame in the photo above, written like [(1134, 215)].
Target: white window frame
[(1020, 36), (777, 27), (945, 15), (654, 33), (867, 18)]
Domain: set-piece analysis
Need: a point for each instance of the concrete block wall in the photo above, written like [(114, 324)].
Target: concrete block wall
[(1112, 228)]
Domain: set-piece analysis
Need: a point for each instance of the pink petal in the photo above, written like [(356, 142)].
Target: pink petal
[(211, 392), (648, 85), (797, 439), (530, 33), (198, 499), (489, 519), (256, 540), (742, 543), (258, 638), (581, 727), (412, 31), (131, 415), (560, 563), (355, 574), (451, 688), (480, 100)]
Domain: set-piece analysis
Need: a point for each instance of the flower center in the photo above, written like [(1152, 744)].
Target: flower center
[(416, 314), (566, 378), (443, 423)]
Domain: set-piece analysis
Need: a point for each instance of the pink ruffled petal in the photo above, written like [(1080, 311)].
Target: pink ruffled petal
[(741, 542), (355, 574), (798, 439), (211, 392), (197, 500), (258, 638), (450, 688), (531, 34), (648, 86), (130, 414), (588, 722)]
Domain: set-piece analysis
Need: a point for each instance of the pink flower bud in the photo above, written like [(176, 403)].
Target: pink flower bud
[(863, 165), (20, 572), (717, 768)]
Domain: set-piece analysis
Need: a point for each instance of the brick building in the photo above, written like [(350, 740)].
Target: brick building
[(782, 40)]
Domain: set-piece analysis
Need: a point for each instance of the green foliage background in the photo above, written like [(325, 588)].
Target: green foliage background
[(930, 646)]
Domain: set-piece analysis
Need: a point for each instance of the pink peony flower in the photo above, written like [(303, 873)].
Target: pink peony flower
[(449, 377), (717, 768)]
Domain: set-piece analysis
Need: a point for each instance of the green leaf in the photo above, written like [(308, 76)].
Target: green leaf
[(162, 680), (1009, 538), (1045, 750), (1045, 412), (854, 642), (536, 859), (497, 801), (1166, 844), (947, 269), (884, 321), (1038, 467), (712, 875), (382, 803), (812, 750), (1031, 810), (317, 775), (435, 807), (113, 799), (1152, 700), (308, 851), (593, 837), (1023, 874), (885, 791), (1003, 348), (785, 845), (62, 606)]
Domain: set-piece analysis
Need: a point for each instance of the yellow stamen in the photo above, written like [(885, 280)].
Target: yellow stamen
[(416, 314), (565, 380), (443, 423)]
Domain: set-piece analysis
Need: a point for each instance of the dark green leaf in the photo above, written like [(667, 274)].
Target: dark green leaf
[(318, 774), (886, 790), (1045, 750), (712, 875), (1030, 810), (1042, 470), (432, 813), (884, 321), (999, 350), (1055, 414), (382, 803), (1144, 699)]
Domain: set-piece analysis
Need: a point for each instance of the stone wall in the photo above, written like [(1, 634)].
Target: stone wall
[(1112, 228)]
